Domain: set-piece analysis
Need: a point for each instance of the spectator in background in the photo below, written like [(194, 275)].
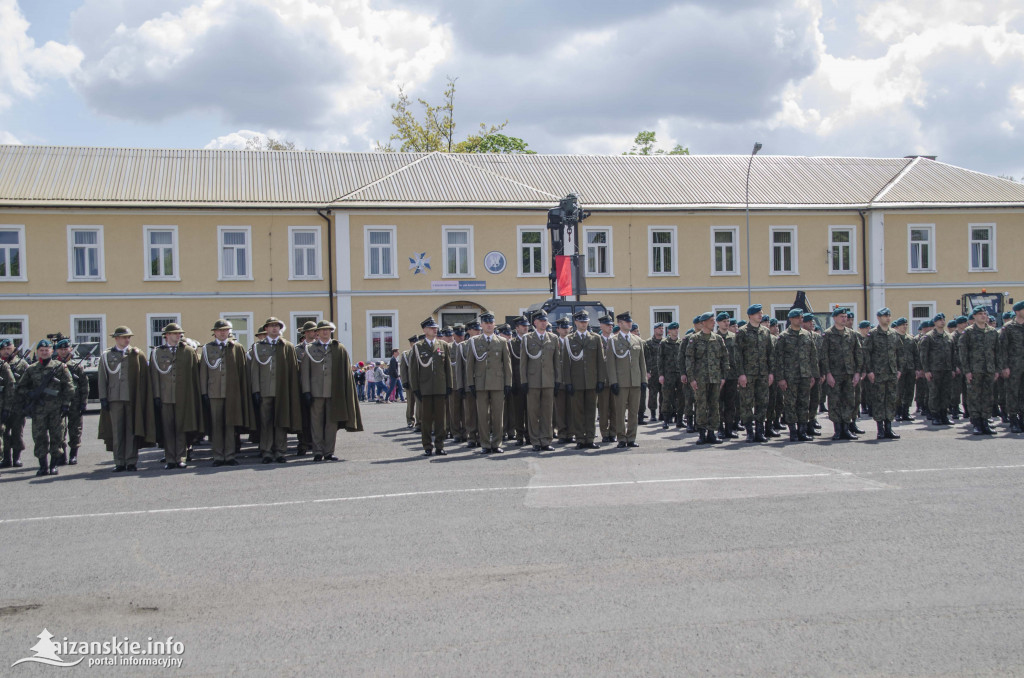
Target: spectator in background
[(371, 382), (395, 392), (360, 376), (379, 380)]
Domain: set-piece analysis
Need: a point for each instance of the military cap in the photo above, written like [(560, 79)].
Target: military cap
[(505, 329), (171, 328), (473, 325), (978, 309), (624, 317), (420, 338), (564, 322), (458, 329), (487, 317), (522, 320), (722, 316), (412, 339), (1019, 306), (657, 325), (44, 343), (275, 321), (795, 313), (605, 320), (62, 343), (5, 342), (673, 325), (808, 317), (539, 314), (899, 322), (1007, 315), (308, 326), (883, 311), (704, 317), (689, 331), (938, 317), (429, 322), (446, 331), (221, 324), (773, 322), (696, 319), (864, 323), (122, 331), (741, 323), (326, 325), (581, 316), (634, 328), (261, 331), (754, 308), (838, 312), (925, 324), (951, 324)]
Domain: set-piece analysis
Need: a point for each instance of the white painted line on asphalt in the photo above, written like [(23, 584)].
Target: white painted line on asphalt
[(426, 493)]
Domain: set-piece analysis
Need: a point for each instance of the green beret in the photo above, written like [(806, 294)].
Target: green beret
[(704, 317), (673, 325), (925, 324), (44, 343), (722, 316), (795, 313), (1007, 315), (838, 312), (773, 322), (754, 308), (883, 311), (1019, 306), (696, 319), (978, 309), (864, 323), (741, 323), (938, 317), (899, 322), (689, 331), (62, 343), (952, 323), (808, 317)]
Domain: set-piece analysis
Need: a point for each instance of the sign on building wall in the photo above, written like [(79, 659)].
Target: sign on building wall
[(457, 285)]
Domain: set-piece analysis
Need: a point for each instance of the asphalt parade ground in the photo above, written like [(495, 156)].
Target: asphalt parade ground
[(856, 558)]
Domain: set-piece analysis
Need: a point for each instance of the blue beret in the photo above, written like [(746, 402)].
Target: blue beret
[(899, 322), (838, 312), (883, 311), (696, 319), (722, 316), (754, 308), (772, 322), (1019, 306), (809, 317), (939, 316), (44, 343), (795, 313), (673, 325), (864, 323), (704, 317), (1007, 315), (978, 309), (657, 325)]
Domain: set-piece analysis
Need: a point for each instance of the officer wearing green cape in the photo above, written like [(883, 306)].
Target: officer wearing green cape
[(127, 420)]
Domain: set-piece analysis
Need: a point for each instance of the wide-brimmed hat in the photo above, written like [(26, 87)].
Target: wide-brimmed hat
[(171, 328), (325, 325), (274, 321), (221, 324), (122, 331), (309, 326)]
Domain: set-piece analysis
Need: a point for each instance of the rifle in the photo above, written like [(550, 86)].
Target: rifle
[(32, 401)]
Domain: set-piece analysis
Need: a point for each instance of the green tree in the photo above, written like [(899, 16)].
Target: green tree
[(436, 130), (644, 143), (268, 143)]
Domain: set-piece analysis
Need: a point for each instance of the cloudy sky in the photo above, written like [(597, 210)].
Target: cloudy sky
[(804, 77)]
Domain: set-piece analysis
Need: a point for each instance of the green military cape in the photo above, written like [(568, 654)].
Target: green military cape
[(141, 399), (344, 403), (287, 410), (188, 400), (238, 410)]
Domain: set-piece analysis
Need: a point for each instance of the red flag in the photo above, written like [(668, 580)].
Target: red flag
[(563, 276)]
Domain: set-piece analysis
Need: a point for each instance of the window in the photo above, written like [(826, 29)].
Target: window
[(304, 245), (88, 332), (921, 244), (155, 323), (235, 254), (598, 252), (842, 304), (919, 312), (300, 318), (15, 328), (458, 251), (662, 243), (532, 251), (161, 252), (382, 328), (85, 253), (241, 327), (380, 252), (725, 257), (841, 255), (783, 250), (12, 252), (733, 311), (661, 314), (983, 247)]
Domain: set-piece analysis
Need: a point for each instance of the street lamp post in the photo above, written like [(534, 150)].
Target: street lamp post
[(757, 147)]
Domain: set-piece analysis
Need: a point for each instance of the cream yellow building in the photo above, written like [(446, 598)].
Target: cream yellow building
[(92, 238)]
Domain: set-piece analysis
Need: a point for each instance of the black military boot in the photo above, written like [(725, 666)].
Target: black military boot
[(848, 433), (853, 428), (777, 424), (62, 459), (73, 456), (712, 439), (702, 439), (838, 428), (759, 436), (813, 424), (6, 463), (680, 423), (689, 424), (1002, 415), (804, 432), (907, 416), (54, 463), (44, 470), (809, 429), (768, 431), (750, 432), (792, 433), (726, 431), (889, 433), (1015, 424), (17, 458), (945, 419), (881, 430), (665, 422), (986, 429)]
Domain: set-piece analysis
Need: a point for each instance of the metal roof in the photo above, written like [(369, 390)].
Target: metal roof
[(61, 176)]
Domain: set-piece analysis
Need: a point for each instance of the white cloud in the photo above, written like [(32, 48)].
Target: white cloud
[(22, 64), (8, 138)]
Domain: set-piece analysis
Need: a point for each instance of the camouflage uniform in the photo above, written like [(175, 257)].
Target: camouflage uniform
[(978, 359), (14, 427), (727, 399), (80, 398), (937, 358), (884, 359), (652, 354), (670, 368), (842, 357), (796, 361), (687, 397), (908, 380), (1011, 355), (755, 360), (45, 394), (707, 363), (814, 392)]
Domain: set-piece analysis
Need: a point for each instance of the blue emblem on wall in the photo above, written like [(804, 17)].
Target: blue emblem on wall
[(419, 263), (495, 262)]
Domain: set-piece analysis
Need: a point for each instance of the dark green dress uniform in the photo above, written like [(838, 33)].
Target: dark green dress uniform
[(518, 396), (540, 369), (884, 362), (796, 362), (456, 398), (274, 379), (45, 393), (606, 399), (127, 419), (562, 427), (755, 361), (585, 376), (14, 425), (842, 361), (489, 377), (177, 400), (938, 364), (226, 395), (670, 372), (627, 371), (431, 378), (978, 359), (469, 410), (707, 363)]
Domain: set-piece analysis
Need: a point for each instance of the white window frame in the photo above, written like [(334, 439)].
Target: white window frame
[(227, 315), (220, 253), (544, 255), (674, 310), (147, 275), (293, 323), (22, 258), (852, 245), (991, 247), (366, 252), (931, 248), (772, 230), (775, 310), (651, 229), (611, 250), (735, 230), (397, 343), (726, 307), (100, 264), (910, 313), (318, 251), (90, 316), (27, 341), (445, 230), (149, 326)]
